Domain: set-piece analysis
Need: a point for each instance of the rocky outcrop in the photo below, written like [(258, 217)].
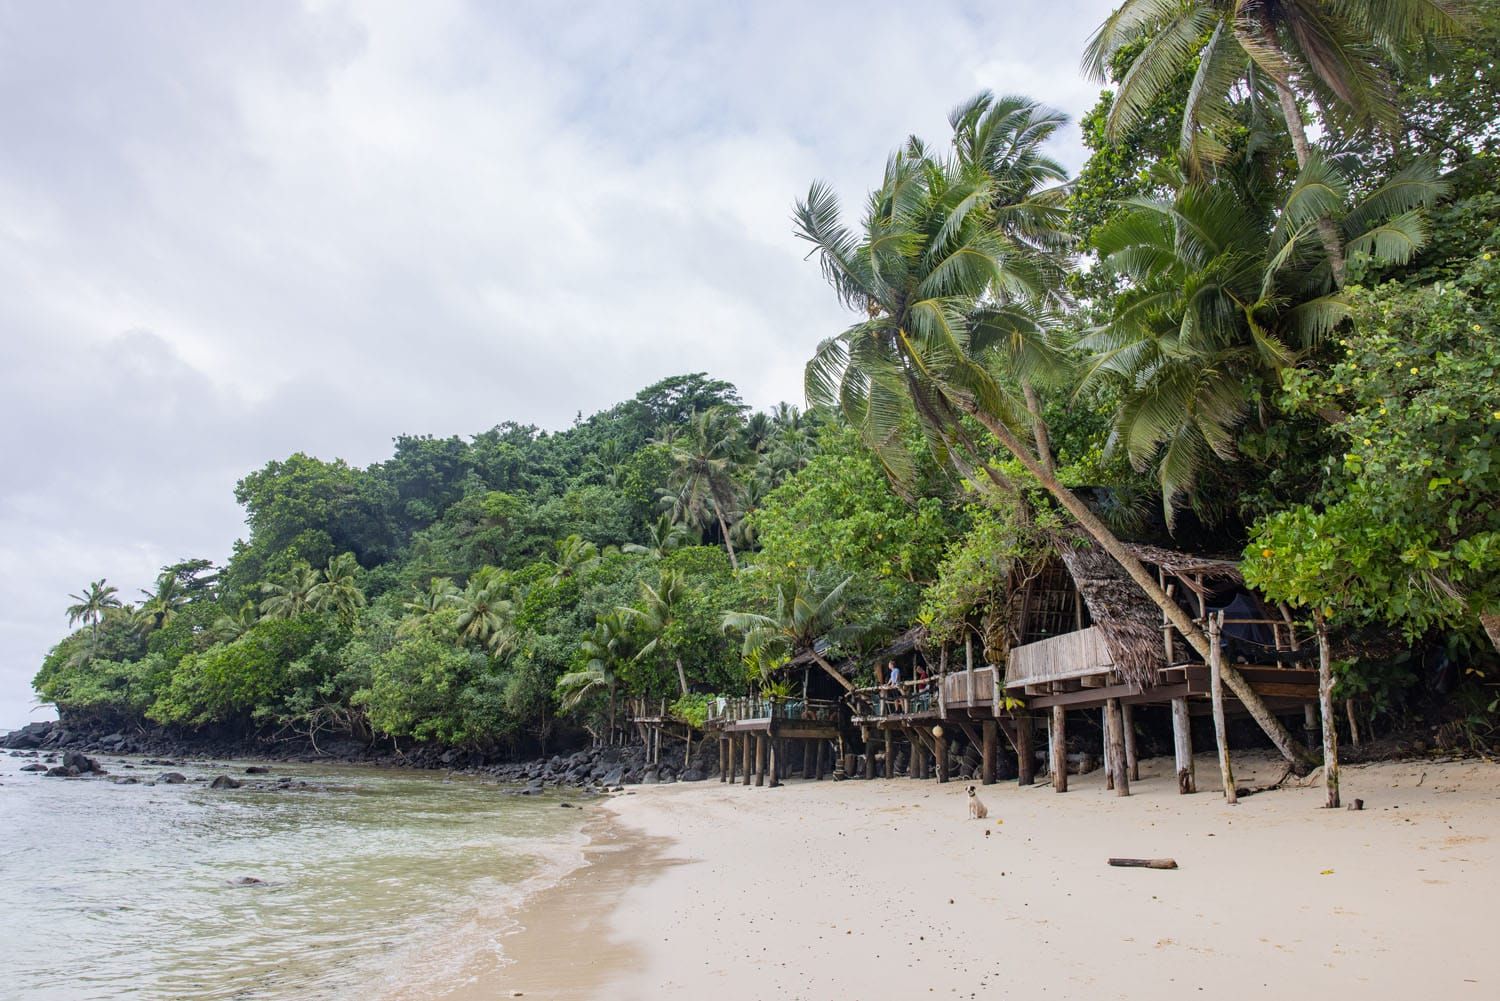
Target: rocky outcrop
[(588, 768)]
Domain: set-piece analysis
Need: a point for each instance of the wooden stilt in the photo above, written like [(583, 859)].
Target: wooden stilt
[(778, 755), (723, 762), (746, 740), (1025, 750), (869, 754), (760, 759), (1107, 748), (940, 751), (820, 753), (687, 752), (1325, 709), (1182, 744), (1310, 724), (1115, 737), (990, 752), (1216, 692), (810, 749), (890, 754), (1132, 763), (1059, 749)]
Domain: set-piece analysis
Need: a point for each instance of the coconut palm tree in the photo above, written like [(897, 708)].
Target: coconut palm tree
[(291, 596), (704, 462), (1218, 298), (227, 628), (484, 614), (606, 648), (161, 605), (439, 593), (659, 609), (663, 537), (1332, 51), (949, 330), (93, 604), (806, 615), (338, 588), (574, 555)]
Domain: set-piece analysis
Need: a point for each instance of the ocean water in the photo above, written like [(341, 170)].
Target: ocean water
[(377, 883)]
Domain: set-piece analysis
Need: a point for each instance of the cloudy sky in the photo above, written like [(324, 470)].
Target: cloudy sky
[(231, 231)]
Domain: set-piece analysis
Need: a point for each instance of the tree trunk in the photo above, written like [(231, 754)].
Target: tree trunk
[(1327, 232), (1325, 708), (1182, 744), (835, 675), (734, 564), (1115, 736), (1216, 688), (1059, 748), (681, 676), (1290, 749)]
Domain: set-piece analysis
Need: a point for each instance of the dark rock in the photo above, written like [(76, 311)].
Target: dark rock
[(125, 780), (112, 740), (225, 782), (60, 772), (692, 775), (84, 764), (566, 806), (171, 778), (34, 767), (29, 736), (614, 776), (257, 770), (245, 881), (650, 777)]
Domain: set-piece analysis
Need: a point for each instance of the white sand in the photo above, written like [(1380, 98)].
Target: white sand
[(882, 889)]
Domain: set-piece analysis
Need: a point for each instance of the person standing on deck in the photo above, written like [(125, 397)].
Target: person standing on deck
[(893, 683)]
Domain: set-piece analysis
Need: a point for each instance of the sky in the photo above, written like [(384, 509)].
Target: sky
[(233, 231)]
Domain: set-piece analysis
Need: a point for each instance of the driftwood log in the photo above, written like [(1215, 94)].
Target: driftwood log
[(1144, 863)]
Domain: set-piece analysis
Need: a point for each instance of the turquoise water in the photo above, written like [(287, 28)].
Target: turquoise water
[(380, 883)]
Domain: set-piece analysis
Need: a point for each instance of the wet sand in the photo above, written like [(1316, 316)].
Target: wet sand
[(883, 889), (564, 945)]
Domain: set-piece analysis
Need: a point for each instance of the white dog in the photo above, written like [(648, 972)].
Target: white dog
[(977, 809)]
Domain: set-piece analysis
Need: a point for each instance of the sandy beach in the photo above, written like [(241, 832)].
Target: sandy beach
[(883, 889)]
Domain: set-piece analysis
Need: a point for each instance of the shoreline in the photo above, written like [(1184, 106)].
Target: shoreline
[(563, 942), (871, 889)]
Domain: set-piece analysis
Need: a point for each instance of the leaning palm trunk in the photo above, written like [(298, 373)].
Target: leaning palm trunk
[(832, 673), (681, 676), (734, 564), (1290, 749), (1327, 233)]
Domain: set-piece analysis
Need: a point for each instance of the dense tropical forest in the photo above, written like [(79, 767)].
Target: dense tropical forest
[(1262, 320)]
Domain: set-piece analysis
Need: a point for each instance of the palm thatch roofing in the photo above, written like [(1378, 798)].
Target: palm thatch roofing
[(1194, 571), (1129, 622)]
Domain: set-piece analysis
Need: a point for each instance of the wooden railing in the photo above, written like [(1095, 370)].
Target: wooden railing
[(756, 707), (970, 688), (903, 699), (1058, 658)]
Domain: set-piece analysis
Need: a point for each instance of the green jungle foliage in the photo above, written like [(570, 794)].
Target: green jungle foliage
[(1262, 317)]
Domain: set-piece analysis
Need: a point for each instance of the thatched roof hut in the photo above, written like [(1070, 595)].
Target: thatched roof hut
[(1129, 622)]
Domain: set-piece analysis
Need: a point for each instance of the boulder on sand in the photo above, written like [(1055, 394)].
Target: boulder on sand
[(171, 778), (225, 782)]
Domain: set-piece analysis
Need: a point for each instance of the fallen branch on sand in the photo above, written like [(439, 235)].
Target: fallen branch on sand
[(1144, 863)]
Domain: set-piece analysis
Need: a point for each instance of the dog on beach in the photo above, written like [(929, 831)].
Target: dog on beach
[(977, 809)]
